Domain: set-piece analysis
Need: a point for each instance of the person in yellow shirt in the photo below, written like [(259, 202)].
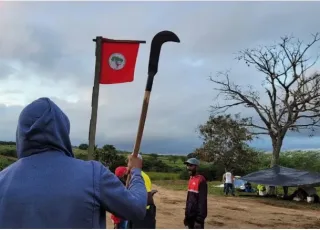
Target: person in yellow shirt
[(147, 181), (148, 184), (149, 222)]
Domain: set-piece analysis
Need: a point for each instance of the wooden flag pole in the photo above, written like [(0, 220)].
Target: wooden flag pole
[(95, 91), (95, 99)]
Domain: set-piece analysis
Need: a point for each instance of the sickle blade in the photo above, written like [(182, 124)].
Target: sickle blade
[(158, 40)]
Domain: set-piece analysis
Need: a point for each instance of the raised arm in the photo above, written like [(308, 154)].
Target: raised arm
[(114, 197)]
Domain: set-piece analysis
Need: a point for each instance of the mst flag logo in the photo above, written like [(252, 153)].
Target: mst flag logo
[(117, 61)]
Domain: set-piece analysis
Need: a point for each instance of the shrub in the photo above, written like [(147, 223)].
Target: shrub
[(156, 165), (84, 146), (119, 161), (4, 162), (184, 175), (162, 176), (109, 157), (9, 152), (208, 171), (7, 143), (81, 156)]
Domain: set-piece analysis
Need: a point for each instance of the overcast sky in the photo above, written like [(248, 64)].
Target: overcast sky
[(46, 50)]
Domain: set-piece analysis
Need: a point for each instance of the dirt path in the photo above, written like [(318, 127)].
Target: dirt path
[(230, 212)]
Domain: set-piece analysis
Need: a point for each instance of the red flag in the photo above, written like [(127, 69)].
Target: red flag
[(118, 61)]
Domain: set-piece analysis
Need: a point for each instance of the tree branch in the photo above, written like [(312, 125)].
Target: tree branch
[(293, 91)]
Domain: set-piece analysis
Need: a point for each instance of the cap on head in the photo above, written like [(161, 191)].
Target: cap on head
[(121, 171), (192, 161)]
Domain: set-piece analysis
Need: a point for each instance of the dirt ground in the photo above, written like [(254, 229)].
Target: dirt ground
[(230, 212)]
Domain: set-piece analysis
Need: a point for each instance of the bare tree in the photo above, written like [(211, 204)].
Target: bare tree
[(293, 91)]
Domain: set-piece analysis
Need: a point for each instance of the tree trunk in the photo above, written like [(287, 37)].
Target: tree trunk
[(276, 147)]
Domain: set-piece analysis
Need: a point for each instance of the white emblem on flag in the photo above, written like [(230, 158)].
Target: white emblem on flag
[(117, 61)]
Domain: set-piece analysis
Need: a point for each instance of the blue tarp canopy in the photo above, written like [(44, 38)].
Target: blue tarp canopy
[(282, 176)]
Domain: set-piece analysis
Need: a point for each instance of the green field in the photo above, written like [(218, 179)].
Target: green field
[(173, 181), (183, 184), (168, 179), (4, 148)]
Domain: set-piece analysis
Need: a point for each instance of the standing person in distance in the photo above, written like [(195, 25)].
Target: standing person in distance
[(224, 183), (149, 221), (228, 178), (196, 204), (121, 173)]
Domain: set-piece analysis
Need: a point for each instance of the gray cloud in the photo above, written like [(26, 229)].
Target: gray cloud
[(49, 47)]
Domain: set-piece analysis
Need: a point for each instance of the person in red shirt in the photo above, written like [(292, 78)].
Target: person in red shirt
[(196, 204), (121, 173)]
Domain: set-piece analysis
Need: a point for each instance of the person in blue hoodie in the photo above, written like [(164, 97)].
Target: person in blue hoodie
[(48, 188)]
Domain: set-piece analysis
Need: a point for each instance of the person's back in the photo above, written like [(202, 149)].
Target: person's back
[(228, 177), (147, 181), (229, 183), (48, 188)]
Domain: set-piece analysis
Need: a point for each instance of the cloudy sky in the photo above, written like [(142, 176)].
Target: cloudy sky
[(46, 49)]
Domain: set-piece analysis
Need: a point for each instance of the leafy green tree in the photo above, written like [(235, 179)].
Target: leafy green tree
[(82, 156), (183, 158), (173, 159), (225, 143), (192, 155), (108, 155), (83, 146), (303, 160), (109, 148), (154, 156)]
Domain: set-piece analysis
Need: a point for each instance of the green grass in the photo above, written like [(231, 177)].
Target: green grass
[(77, 151), (4, 148), (171, 181), (182, 185), (161, 176), (177, 164), (7, 159), (212, 190), (177, 185)]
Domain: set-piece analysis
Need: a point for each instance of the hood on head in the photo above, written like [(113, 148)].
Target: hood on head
[(42, 127)]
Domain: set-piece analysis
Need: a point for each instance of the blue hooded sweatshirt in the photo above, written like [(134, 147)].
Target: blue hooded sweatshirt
[(48, 188)]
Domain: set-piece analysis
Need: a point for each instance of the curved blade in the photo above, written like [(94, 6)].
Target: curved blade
[(157, 41)]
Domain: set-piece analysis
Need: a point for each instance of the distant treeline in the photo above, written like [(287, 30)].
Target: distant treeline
[(111, 157), (7, 143)]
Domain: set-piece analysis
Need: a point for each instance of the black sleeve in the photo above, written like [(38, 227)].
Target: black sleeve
[(202, 203)]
